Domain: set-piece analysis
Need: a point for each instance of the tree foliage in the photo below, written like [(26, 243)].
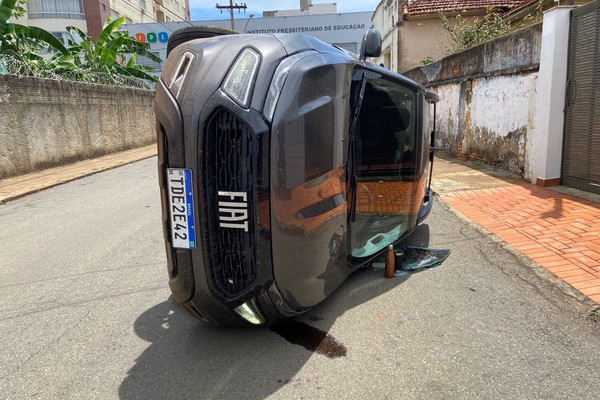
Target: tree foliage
[(465, 32), (23, 42), (108, 60), (115, 52)]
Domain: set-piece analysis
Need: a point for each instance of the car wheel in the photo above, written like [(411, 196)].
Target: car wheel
[(195, 32)]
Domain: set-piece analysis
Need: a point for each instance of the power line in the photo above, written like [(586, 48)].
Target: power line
[(232, 7)]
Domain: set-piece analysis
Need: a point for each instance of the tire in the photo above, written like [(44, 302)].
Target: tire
[(188, 33)]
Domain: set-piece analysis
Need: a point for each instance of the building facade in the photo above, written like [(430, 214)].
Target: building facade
[(344, 30), (413, 30), (90, 15), (142, 11), (55, 15), (96, 14), (306, 8)]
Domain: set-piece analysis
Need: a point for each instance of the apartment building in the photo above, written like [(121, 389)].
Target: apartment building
[(141, 11), (90, 15)]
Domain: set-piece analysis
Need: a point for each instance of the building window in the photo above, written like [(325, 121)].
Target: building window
[(142, 4), (63, 37), (67, 9)]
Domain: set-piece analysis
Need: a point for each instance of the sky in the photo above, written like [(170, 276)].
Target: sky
[(206, 10)]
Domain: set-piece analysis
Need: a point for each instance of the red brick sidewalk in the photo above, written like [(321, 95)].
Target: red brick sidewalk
[(559, 232)]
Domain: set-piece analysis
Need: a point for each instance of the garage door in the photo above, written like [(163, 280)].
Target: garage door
[(581, 158)]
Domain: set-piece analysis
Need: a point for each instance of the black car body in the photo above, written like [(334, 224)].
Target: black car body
[(285, 165)]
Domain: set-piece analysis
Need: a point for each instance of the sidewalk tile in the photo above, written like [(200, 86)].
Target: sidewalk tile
[(559, 232)]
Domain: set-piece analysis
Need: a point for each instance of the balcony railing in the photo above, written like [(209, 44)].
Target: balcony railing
[(56, 15)]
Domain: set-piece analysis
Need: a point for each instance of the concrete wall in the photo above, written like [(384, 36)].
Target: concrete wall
[(488, 98), (45, 122)]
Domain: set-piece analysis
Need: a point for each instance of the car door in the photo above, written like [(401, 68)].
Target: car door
[(386, 182)]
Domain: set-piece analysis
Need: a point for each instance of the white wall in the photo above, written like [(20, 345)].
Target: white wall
[(488, 118), (544, 144)]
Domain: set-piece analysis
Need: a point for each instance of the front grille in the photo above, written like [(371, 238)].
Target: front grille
[(229, 167)]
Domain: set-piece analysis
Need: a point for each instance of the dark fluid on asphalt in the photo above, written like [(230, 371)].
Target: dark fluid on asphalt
[(310, 338)]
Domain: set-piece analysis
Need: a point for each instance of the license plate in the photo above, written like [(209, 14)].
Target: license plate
[(181, 209)]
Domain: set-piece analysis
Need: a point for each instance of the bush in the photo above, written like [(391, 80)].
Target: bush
[(465, 33)]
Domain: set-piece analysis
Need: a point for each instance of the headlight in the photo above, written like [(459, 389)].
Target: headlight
[(249, 311), (239, 81), (281, 74)]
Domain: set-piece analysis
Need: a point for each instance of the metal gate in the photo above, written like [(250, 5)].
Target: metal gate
[(581, 157)]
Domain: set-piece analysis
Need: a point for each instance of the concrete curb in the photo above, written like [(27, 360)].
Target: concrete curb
[(15, 187)]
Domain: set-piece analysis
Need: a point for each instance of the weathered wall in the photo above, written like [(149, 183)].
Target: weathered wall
[(47, 122), (488, 96)]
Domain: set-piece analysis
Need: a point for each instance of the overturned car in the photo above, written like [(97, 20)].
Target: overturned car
[(285, 164)]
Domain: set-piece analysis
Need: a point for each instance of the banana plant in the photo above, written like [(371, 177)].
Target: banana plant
[(114, 52), (23, 41)]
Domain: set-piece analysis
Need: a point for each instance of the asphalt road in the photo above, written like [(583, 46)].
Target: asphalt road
[(86, 313)]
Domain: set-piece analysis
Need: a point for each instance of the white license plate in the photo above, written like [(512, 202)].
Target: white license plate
[(181, 209)]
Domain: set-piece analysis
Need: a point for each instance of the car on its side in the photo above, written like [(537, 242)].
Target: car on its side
[(285, 164)]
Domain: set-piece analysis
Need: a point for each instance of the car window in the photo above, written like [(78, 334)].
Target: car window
[(384, 140)]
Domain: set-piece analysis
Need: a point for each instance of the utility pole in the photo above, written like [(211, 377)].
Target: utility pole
[(231, 7)]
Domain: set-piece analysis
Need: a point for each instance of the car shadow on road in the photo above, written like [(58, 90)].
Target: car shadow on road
[(188, 360)]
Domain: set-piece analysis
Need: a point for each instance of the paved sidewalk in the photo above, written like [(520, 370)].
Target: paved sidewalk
[(18, 186), (559, 231)]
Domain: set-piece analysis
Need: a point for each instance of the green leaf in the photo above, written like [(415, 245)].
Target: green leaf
[(45, 36), (148, 54), (7, 8), (131, 62), (137, 73), (108, 55), (75, 31), (108, 29)]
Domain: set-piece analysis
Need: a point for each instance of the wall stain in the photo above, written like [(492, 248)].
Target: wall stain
[(508, 151)]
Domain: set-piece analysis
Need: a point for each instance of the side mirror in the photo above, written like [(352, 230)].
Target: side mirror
[(371, 44)]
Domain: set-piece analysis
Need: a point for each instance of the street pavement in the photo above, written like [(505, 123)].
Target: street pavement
[(22, 185), (86, 312), (558, 228)]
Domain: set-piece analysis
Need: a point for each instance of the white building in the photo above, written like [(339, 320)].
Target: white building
[(90, 15), (140, 11), (55, 15), (306, 8), (343, 30)]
